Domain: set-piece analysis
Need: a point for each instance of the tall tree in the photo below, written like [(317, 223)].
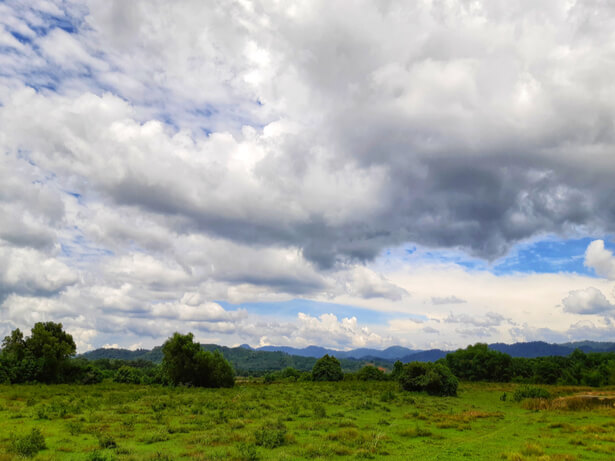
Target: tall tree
[(184, 362), (327, 368)]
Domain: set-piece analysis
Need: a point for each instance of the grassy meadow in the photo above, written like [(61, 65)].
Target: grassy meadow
[(345, 420)]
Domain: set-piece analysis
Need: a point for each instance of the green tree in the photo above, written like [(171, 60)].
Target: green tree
[(479, 363), (398, 368), (44, 356), (52, 348), (327, 368), (184, 362), (434, 378), (179, 358)]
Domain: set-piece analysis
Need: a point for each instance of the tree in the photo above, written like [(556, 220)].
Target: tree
[(398, 368), (327, 368), (434, 378), (43, 357), (179, 358), (184, 362), (51, 347), (479, 363)]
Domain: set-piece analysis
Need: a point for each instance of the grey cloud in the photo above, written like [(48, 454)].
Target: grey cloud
[(478, 332), (437, 300), (526, 332), (491, 319)]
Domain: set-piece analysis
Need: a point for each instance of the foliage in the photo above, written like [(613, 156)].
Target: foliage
[(29, 445), (479, 363), (324, 420), (246, 362), (327, 368), (398, 368), (371, 373), (184, 362), (128, 375), (434, 378), (530, 392), (43, 356), (271, 435)]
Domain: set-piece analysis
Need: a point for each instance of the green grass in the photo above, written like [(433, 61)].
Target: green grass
[(346, 420)]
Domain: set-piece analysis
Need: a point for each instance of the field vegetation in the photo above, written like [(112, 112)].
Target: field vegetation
[(304, 420)]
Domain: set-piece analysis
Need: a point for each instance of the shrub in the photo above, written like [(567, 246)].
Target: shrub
[(370, 373), (530, 392), (29, 445), (320, 411), (434, 378), (97, 456), (247, 452), (106, 441), (271, 435), (127, 375)]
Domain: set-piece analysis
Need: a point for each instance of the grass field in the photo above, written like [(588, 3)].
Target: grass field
[(301, 421)]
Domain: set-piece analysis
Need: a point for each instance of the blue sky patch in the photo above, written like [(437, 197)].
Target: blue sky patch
[(549, 255), (288, 310)]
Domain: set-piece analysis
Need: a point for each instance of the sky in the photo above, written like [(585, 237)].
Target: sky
[(348, 174)]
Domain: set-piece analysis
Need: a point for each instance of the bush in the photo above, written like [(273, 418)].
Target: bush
[(370, 373), (127, 375), (106, 441), (29, 445), (271, 435), (434, 378), (327, 368), (529, 392)]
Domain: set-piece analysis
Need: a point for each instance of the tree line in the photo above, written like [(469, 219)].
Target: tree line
[(48, 356)]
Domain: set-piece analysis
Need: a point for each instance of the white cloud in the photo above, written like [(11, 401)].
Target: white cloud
[(600, 259), (587, 302), (328, 330), (28, 271)]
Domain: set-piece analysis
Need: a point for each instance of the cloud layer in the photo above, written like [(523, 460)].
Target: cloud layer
[(158, 158)]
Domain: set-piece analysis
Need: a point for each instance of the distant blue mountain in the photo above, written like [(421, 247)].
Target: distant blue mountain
[(425, 356), (392, 353), (527, 350), (532, 349)]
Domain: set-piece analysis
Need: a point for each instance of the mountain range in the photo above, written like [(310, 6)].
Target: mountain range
[(523, 349)]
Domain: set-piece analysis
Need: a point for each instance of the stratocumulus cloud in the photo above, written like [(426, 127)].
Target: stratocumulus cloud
[(156, 153)]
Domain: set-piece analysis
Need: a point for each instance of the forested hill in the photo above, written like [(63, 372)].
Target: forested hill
[(245, 361)]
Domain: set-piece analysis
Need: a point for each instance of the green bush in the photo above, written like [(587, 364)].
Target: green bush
[(29, 445), (247, 452), (530, 392), (106, 441), (271, 435), (434, 378), (371, 373), (127, 375)]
